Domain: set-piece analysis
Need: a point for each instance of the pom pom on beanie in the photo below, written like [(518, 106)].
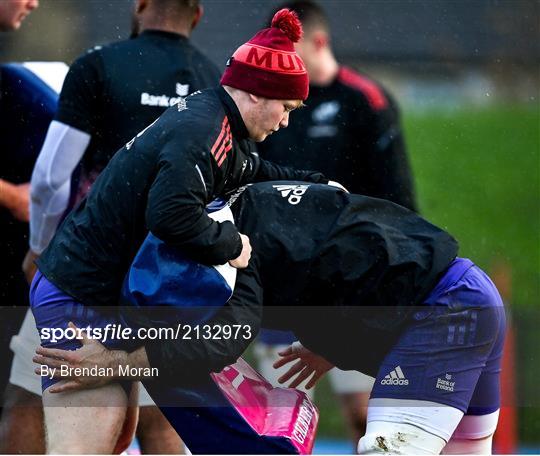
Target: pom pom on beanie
[(267, 65)]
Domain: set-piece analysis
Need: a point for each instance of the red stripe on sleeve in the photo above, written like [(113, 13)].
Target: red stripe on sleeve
[(226, 140), (226, 151), (372, 91), (222, 134)]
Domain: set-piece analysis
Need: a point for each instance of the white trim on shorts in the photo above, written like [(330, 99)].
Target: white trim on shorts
[(473, 427)]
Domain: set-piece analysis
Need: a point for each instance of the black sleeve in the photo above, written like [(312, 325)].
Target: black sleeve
[(390, 175), (261, 170), (81, 92), (175, 210), (195, 357)]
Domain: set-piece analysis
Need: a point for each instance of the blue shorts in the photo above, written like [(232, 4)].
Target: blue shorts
[(52, 308), (202, 414), (451, 351)]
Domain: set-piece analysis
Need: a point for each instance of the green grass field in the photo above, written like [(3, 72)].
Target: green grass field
[(477, 175)]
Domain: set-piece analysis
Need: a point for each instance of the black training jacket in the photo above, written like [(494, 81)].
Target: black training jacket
[(342, 271), (160, 182), (112, 92), (349, 130)]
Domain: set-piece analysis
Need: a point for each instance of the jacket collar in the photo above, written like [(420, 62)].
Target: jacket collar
[(163, 34), (238, 127)]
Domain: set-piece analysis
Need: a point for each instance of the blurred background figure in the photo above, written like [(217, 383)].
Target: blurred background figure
[(15, 169), (14, 198), (13, 13), (28, 101), (350, 130), (110, 94)]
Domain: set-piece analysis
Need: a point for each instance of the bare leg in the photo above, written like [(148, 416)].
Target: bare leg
[(21, 426), (130, 421), (74, 427), (474, 435), (354, 408), (155, 434), (469, 446)]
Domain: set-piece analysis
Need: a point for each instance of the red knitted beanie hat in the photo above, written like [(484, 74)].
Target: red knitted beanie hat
[(267, 64)]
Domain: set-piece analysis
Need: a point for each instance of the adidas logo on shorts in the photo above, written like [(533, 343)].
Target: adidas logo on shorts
[(395, 378)]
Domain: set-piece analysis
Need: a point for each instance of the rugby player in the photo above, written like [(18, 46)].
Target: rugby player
[(112, 92), (381, 283), (28, 99), (15, 169), (160, 182)]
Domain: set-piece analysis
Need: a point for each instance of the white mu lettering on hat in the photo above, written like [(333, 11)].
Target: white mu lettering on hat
[(270, 59)]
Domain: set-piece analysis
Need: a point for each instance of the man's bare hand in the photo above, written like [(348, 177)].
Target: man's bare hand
[(243, 260), (29, 266), (16, 199), (308, 364), (91, 354)]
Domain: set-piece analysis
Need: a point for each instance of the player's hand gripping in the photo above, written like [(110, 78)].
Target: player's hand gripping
[(91, 354), (308, 364), (243, 260)]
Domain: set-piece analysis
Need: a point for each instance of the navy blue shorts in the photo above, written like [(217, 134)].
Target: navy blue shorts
[(451, 351), (52, 308)]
